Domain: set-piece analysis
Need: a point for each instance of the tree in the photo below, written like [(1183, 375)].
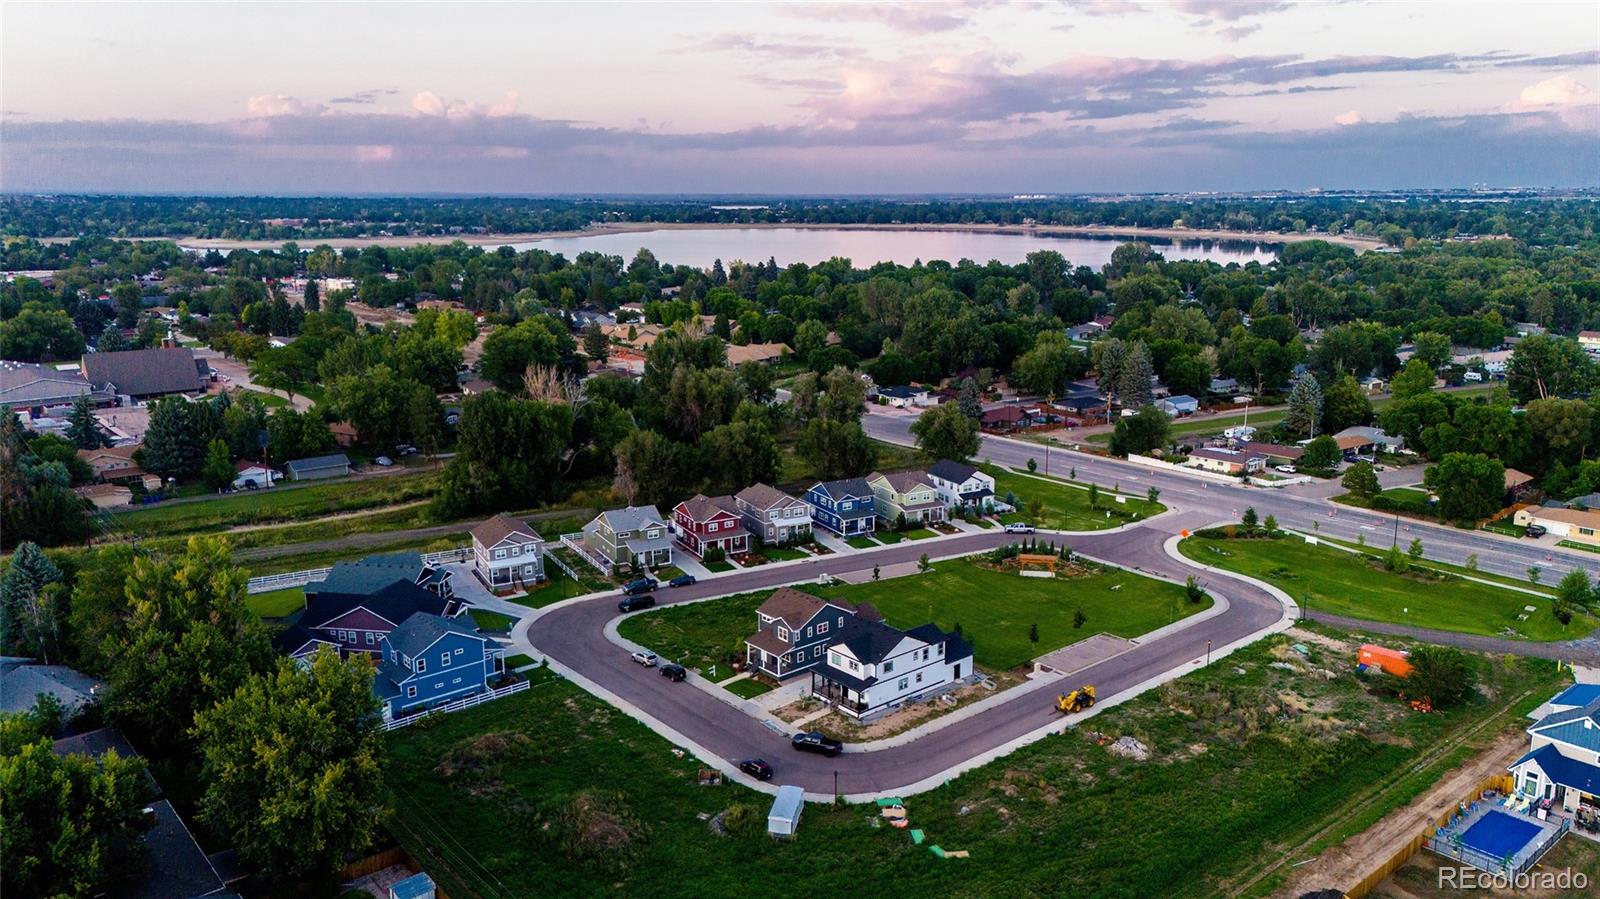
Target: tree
[(218, 469), (596, 345), (1575, 589), (1543, 366), (73, 824), (29, 619), (510, 349), (755, 380), (739, 454), (1559, 429), (1470, 485), (1416, 379), (1188, 375), (1415, 549), (844, 395), (1033, 633), (945, 432), (1135, 380), (1361, 480), (293, 765), (1345, 405), (1305, 406), (374, 403), (1250, 519), (176, 439), (37, 333), (970, 399), (836, 449), (1145, 430), (187, 642), (649, 468), (1321, 454), (286, 368), (509, 454), (1441, 674), (82, 428), (313, 297), (810, 339), (1432, 348), (1049, 365), (1109, 357)]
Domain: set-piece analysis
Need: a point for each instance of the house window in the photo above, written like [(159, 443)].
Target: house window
[(815, 653), (371, 638), (822, 627), (888, 667), (411, 692), (391, 655), (456, 681), (516, 550), (1587, 532), (499, 554), (854, 666), (902, 685), (783, 633), (808, 631), (444, 659), (835, 660), (919, 677), (422, 665), (458, 650), (924, 653)]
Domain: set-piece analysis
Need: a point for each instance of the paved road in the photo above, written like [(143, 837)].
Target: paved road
[(1299, 508), (573, 636)]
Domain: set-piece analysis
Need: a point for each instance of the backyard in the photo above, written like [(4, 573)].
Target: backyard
[(996, 611), (552, 792), (1340, 583)]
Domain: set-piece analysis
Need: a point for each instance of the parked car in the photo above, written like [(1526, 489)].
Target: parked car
[(645, 657), (674, 672), (635, 603), (385, 461), (814, 741), (1019, 528), (1286, 469), (757, 768), (682, 580), (1536, 530), (642, 585), (405, 450)]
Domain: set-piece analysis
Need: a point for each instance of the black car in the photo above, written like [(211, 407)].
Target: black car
[(756, 768), (635, 603), (642, 585), (682, 580), (814, 741), (674, 672), (1536, 530)]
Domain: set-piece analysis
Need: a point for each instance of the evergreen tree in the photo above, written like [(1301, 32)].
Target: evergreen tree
[(313, 296), (1134, 380), (218, 470), (1305, 405), (82, 428), (27, 621), (970, 399)]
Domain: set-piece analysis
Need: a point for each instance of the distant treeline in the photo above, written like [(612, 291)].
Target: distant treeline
[(1394, 218)]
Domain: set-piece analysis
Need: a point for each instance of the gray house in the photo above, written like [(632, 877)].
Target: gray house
[(774, 516), (317, 467)]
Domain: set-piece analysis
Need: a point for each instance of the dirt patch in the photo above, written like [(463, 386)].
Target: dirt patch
[(1302, 635), (1342, 866), (477, 763), (908, 716)]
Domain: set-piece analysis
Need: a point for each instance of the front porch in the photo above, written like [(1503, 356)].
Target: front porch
[(850, 702)]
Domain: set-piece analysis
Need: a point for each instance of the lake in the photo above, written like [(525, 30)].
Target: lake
[(699, 247)]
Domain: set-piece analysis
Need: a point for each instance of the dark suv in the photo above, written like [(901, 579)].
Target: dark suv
[(674, 672), (635, 603), (642, 585), (814, 741), (756, 768)]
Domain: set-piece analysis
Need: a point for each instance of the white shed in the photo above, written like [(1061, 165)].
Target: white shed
[(784, 819)]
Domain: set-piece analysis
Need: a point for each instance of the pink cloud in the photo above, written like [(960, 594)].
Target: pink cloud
[(374, 153), (1350, 117), (266, 105)]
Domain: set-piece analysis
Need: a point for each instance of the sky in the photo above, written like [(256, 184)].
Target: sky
[(796, 98)]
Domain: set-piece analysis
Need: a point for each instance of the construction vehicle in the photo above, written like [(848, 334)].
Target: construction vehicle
[(1077, 700)]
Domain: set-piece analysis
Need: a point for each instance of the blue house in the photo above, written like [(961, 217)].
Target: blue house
[(430, 660), (843, 507)]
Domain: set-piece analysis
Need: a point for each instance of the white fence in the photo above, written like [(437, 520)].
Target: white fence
[(269, 582), (575, 543), (458, 705)]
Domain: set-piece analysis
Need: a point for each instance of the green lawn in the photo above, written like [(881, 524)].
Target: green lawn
[(1342, 584), (289, 502), (491, 621), (994, 609), (781, 553), (270, 400), (862, 542), (552, 792), (276, 604), (799, 473), (517, 660), (919, 534), (747, 688), (1067, 506), (719, 566), (889, 538)]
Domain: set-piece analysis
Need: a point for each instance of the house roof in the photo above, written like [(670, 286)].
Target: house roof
[(901, 481), (95, 743), (1182, 399), (394, 602), (25, 384), (901, 392), (1515, 479), (371, 574), (1564, 770), (21, 684), (756, 352), (1001, 414), (845, 487), (292, 639), (767, 640), (419, 632), (1585, 517), (317, 463), (1353, 441), (90, 491), (502, 526), (1590, 710), (123, 453), (763, 497), (703, 508), (1278, 450), (145, 372), (792, 607), (954, 472), (1221, 455), (869, 641), (1577, 695), (633, 518)]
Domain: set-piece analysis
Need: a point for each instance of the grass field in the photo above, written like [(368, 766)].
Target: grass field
[(325, 558), (1339, 584), (552, 792), (1066, 506), (799, 474), (995, 611), (285, 503), (278, 603)]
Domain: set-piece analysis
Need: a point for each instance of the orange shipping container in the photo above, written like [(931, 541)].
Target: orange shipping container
[(1391, 660)]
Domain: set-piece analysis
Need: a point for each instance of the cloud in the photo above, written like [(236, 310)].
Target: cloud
[(1561, 90), (1349, 117), (1228, 10), (1235, 33), (280, 104), (798, 47), (906, 17), (364, 98), (374, 153), (430, 104)]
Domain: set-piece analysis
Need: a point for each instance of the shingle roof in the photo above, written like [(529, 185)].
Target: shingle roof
[(500, 527), (952, 471), (371, 574), (20, 686), (95, 743), (419, 631), (24, 384), (146, 372), (791, 606), (294, 638), (869, 641), (846, 487), (764, 497), (701, 507), (395, 602), (632, 518)]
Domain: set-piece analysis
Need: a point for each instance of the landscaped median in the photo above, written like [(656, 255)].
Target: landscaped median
[(1356, 585)]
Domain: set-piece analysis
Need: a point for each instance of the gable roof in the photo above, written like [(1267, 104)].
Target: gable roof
[(869, 641), (902, 481), (845, 487), (952, 471), (1584, 517), (294, 638), (762, 496), (793, 607), (394, 602), (633, 518), (1564, 770), (144, 372), (502, 526), (371, 574), (24, 384), (418, 632), (702, 508), (21, 684), (1577, 727)]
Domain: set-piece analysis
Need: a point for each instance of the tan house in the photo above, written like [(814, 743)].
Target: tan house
[(1577, 525), (112, 462), (1225, 461), (766, 353), (907, 493), (105, 496)]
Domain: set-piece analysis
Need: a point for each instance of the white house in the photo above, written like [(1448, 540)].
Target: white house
[(505, 551), (1225, 461), (253, 474), (1180, 405), (901, 397), (872, 667), (962, 486), (1563, 758)]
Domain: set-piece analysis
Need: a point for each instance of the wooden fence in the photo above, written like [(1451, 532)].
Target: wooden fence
[(1501, 782), (386, 858)]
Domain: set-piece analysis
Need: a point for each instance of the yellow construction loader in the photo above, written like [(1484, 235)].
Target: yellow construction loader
[(1077, 700)]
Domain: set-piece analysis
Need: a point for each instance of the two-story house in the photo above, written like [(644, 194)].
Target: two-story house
[(635, 535), (706, 523), (358, 622), (1563, 758), (907, 493), (793, 630), (507, 551), (772, 515), (844, 507), (872, 667), (430, 660), (961, 486)]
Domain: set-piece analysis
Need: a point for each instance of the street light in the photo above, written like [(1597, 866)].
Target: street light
[(1208, 653), (836, 783)]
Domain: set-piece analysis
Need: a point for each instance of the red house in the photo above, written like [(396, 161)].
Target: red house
[(706, 522)]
